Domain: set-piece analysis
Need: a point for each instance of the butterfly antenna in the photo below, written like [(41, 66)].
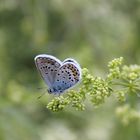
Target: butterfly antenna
[(41, 95), (41, 88)]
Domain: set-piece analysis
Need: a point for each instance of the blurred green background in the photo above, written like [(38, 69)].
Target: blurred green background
[(93, 32)]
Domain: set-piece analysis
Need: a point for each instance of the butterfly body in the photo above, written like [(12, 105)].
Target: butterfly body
[(59, 76)]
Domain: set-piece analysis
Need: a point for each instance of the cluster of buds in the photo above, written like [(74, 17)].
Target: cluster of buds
[(121, 81), (127, 114)]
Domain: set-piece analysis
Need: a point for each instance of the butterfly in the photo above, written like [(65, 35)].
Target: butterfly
[(59, 76)]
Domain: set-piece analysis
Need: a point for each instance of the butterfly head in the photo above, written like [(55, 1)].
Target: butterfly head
[(54, 91)]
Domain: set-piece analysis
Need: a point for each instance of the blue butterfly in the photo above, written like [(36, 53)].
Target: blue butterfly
[(59, 76)]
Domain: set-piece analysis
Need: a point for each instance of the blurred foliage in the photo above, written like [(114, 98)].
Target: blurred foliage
[(93, 32)]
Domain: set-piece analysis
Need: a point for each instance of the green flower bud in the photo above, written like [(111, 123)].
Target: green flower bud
[(121, 96)]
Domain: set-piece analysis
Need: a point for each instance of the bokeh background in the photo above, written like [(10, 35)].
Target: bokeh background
[(93, 32)]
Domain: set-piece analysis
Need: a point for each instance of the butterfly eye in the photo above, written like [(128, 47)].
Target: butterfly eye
[(50, 91)]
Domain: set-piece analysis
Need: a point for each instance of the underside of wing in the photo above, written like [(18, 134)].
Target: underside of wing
[(68, 75), (71, 60), (48, 66)]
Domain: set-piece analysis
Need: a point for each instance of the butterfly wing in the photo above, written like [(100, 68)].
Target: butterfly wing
[(68, 75), (48, 66), (71, 60)]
